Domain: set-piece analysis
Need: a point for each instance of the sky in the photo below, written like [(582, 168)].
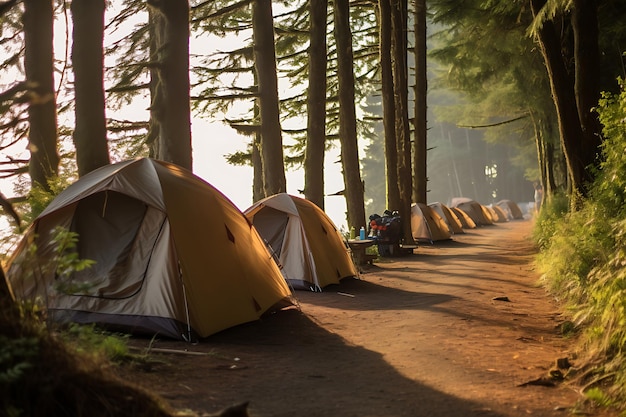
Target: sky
[(211, 141), (214, 139)]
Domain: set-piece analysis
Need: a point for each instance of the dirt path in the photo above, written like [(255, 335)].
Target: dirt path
[(416, 336)]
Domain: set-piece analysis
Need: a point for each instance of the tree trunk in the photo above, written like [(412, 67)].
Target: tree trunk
[(265, 65), (540, 145), (587, 76), (403, 140), (420, 147), (389, 110), (562, 87), (90, 133), (549, 139), (39, 68), (155, 28), (347, 117), (171, 104), (316, 105), (258, 192)]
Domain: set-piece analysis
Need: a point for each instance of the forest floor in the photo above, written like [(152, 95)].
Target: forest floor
[(459, 328)]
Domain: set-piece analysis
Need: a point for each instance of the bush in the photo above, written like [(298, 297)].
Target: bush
[(583, 260)]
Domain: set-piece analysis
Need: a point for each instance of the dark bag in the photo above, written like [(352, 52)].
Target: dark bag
[(387, 230)]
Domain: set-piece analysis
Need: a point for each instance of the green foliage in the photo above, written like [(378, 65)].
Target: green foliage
[(583, 259), (39, 198), (598, 397), (550, 216), (88, 339), (66, 261), (571, 247), (610, 188), (16, 358), (63, 263)]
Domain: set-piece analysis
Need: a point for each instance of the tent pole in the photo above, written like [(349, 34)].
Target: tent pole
[(180, 275)]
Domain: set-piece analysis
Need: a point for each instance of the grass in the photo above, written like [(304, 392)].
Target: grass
[(583, 263)]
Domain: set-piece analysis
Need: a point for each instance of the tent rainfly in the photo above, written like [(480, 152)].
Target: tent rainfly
[(448, 216), (498, 215), (305, 242), (427, 225), (476, 211), (466, 221), (511, 208), (173, 256)]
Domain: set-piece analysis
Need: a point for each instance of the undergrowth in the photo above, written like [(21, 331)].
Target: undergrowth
[(50, 371), (583, 261), (43, 374)]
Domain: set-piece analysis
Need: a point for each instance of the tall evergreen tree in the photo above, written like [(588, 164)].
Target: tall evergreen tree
[(388, 104), (90, 132), (347, 117), (316, 105), (562, 87), (582, 70), (170, 107), (420, 128), (265, 69), (39, 67), (400, 93)]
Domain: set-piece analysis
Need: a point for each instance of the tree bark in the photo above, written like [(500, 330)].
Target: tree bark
[(347, 117), (562, 87), (389, 110), (171, 104), (90, 132), (265, 65), (586, 84), (400, 87), (156, 34), (316, 105), (39, 68), (258, 192), (420, 174)]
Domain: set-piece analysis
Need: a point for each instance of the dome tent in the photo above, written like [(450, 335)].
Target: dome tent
[(311, 251), (427, 225), (173, 255), (448, 216), (476, 211), (511, 208)]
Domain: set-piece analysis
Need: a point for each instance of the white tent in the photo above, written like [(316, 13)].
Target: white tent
[(511, 209)]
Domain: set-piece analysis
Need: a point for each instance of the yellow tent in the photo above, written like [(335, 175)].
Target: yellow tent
[(427, 225), (464, 218), (476, 211), (306, 243), (173, 255), (448, 216)]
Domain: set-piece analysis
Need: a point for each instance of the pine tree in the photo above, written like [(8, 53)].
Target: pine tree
[(90, 132), (39, 66)]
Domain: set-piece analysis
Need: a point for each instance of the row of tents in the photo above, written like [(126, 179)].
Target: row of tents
[(175, 257), (437, 221)]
